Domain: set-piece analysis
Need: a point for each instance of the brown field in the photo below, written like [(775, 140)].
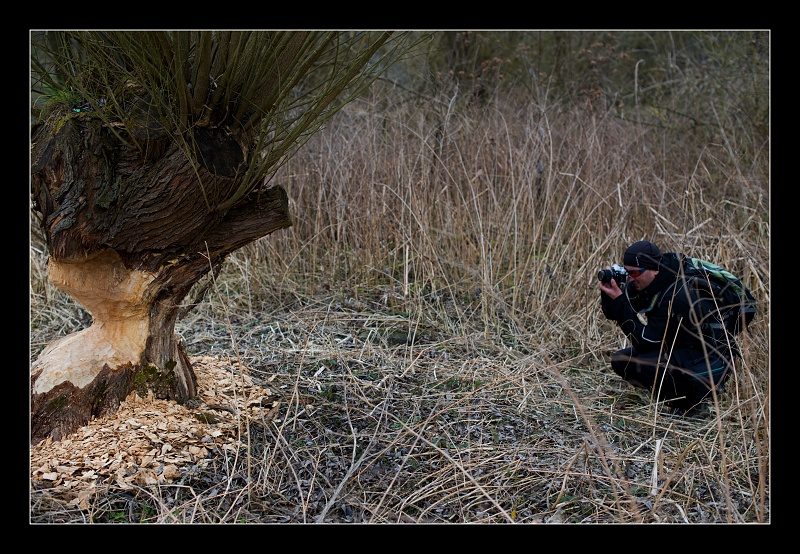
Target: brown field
[(430, 328)]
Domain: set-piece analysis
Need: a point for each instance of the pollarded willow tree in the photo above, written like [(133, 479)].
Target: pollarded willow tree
[(151, 156)]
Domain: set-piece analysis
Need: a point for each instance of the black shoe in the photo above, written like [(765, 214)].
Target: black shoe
[(685, 409)]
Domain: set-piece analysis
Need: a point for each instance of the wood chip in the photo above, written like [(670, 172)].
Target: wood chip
[(171, 472), (148, 441), (82, 500)]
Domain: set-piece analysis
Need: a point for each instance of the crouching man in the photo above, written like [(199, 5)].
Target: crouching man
[(679, 350)]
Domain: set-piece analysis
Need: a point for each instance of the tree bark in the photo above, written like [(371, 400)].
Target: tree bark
[(130, 231)]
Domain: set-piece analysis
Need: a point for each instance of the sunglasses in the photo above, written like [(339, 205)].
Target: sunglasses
[(636, 272)]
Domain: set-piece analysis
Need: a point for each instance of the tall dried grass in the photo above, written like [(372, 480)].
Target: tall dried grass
[(433, 317)]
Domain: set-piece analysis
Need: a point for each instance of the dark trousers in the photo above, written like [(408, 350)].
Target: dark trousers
[(684, 382)]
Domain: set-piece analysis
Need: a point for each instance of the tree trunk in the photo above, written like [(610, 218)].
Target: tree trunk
[(130, 230)]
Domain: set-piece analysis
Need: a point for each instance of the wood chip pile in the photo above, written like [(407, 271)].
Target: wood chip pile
[(150, 441)]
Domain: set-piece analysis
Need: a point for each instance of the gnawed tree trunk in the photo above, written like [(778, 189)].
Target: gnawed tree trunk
[(130, 231)]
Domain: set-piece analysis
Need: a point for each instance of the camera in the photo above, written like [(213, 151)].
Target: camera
[(616, 272)]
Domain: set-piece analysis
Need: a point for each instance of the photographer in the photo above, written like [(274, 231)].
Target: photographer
[(672, 353)]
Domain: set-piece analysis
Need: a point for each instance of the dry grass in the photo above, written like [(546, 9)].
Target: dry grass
[(433, 320)]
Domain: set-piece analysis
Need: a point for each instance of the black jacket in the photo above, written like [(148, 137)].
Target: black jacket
[(673, 309)]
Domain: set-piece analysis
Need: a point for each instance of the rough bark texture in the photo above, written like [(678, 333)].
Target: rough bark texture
[(66, 407), (130, 231)]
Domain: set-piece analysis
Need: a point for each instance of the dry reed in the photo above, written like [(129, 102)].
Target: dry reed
[(433, 322)]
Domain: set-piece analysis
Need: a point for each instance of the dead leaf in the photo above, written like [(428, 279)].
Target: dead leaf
[(171, 472), (147, 477), (82, 500), (124, 484), (255, 401)]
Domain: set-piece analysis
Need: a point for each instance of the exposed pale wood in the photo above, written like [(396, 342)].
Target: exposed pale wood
[(129, 235)]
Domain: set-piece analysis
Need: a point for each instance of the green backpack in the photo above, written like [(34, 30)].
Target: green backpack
[(736, 304)]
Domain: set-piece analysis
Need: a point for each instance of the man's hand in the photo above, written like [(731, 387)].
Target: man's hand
[(610, 289)]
